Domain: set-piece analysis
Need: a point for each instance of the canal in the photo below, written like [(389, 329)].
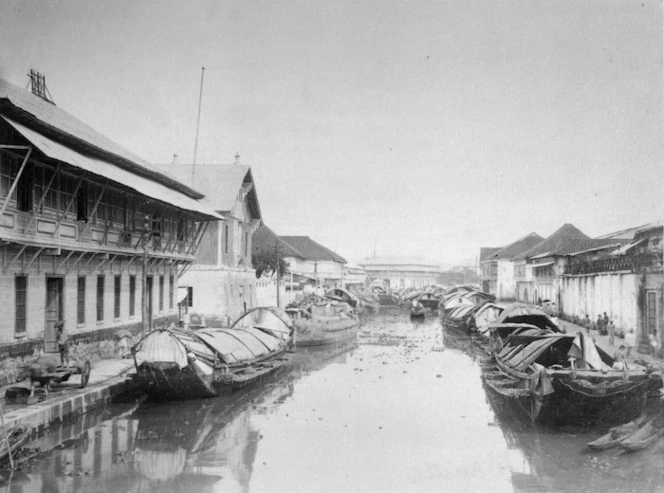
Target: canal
[(402, 409)]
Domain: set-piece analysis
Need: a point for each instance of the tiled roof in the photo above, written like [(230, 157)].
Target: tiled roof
[(554, 242), (264, 239), (487, 251), (56, 124), (513, 249), (220, 183), (578, 245), (310, 250)]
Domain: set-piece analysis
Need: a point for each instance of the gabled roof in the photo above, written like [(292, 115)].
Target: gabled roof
[(513, 249), (553, 243), (310, 250), (221, 184), (264, 239), (487, 251), (578, 245), (46, 119)]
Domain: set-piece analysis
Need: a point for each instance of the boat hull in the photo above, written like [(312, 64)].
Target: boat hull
[(169, 382), (316, 332)]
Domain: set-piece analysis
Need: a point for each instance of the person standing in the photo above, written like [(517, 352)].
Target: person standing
[(630, 342), (612, 332), (587, 323), (606, 323), (598, 324), (63, 342)]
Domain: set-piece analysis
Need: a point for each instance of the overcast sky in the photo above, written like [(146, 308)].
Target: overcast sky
[(425, 128)]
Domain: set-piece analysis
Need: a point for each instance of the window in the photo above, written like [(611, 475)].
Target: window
[(246, 244), (80, 306), (100, 298), (226, 239), (161, 293), (171, 287), (190, 296), (24, 191), (82, 203), (116, 298), (21, 289), (132, 296)]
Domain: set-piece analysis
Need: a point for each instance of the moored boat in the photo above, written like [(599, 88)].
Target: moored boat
[(564, 379), (176, 363), (325, 330), (16, 436), (617, 434), (643, 438)]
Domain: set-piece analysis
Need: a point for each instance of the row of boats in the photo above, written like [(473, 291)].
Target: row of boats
[(177, 363), (553, 377)]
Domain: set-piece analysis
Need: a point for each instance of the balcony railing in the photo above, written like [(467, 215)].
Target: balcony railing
[(632, 263)]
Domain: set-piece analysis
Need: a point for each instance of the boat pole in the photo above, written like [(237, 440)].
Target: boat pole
[(9, 448), (276, 268)]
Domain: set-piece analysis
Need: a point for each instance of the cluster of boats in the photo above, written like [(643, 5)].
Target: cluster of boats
[(550, 376), (185, 363)]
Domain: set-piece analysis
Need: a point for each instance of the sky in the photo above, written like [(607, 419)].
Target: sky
[(412, 128)]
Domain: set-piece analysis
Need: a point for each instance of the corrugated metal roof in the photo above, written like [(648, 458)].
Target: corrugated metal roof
[(577, 246), (310, 250), (58, 125), (221, 184), (98, 167)]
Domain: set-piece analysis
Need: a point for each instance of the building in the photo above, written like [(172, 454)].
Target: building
[(310, 259), (401, 272), (82, 221), (498, 266), (536, 273), (624, 280), (354, 276), (222, 280), (489, 270), (306, 259)]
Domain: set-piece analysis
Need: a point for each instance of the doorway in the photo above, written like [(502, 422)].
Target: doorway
[(54, 290)]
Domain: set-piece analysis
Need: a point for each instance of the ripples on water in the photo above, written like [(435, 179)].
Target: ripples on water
[(402, 409)]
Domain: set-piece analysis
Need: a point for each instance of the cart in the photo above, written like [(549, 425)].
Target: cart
[(62, 374)]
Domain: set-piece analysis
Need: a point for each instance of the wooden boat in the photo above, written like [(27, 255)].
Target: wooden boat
[(318, 331), (179, 363), (617, 434), (417, 311), (564, 379), (645, 436), (17, 437)]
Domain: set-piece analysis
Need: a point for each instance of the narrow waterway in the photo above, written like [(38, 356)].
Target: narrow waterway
[(401, 409)]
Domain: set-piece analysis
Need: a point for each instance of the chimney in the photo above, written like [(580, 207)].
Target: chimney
[(175, 159), (237, 158)]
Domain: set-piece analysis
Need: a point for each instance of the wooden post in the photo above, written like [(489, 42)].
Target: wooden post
[(144, 301), (276, 269)]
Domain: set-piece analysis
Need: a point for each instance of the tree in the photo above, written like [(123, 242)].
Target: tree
[(265, 261)]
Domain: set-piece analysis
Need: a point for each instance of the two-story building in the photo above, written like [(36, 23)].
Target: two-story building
[(222, 280), (536, 276), (402, 272), (489, 270), (625, 280), (83, 223), (499, 266)]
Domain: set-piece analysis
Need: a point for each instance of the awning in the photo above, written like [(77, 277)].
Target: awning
[(542, 264), (624, 249), (118, 175)]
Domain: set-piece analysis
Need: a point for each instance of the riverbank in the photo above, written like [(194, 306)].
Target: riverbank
[(68, 400)]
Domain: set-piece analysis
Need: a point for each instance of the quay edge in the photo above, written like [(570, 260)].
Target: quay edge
[(72, 402)]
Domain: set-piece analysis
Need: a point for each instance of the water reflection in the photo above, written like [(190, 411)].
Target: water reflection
[(402, 409)]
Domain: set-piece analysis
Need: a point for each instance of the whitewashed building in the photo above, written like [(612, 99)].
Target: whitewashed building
[(402, 272)]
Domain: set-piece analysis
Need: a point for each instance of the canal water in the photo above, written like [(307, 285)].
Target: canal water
[(401, 409)]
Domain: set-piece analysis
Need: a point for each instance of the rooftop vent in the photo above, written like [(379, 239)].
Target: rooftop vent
[(38, 86)]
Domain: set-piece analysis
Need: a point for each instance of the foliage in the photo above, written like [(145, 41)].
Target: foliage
[(265, 262)]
